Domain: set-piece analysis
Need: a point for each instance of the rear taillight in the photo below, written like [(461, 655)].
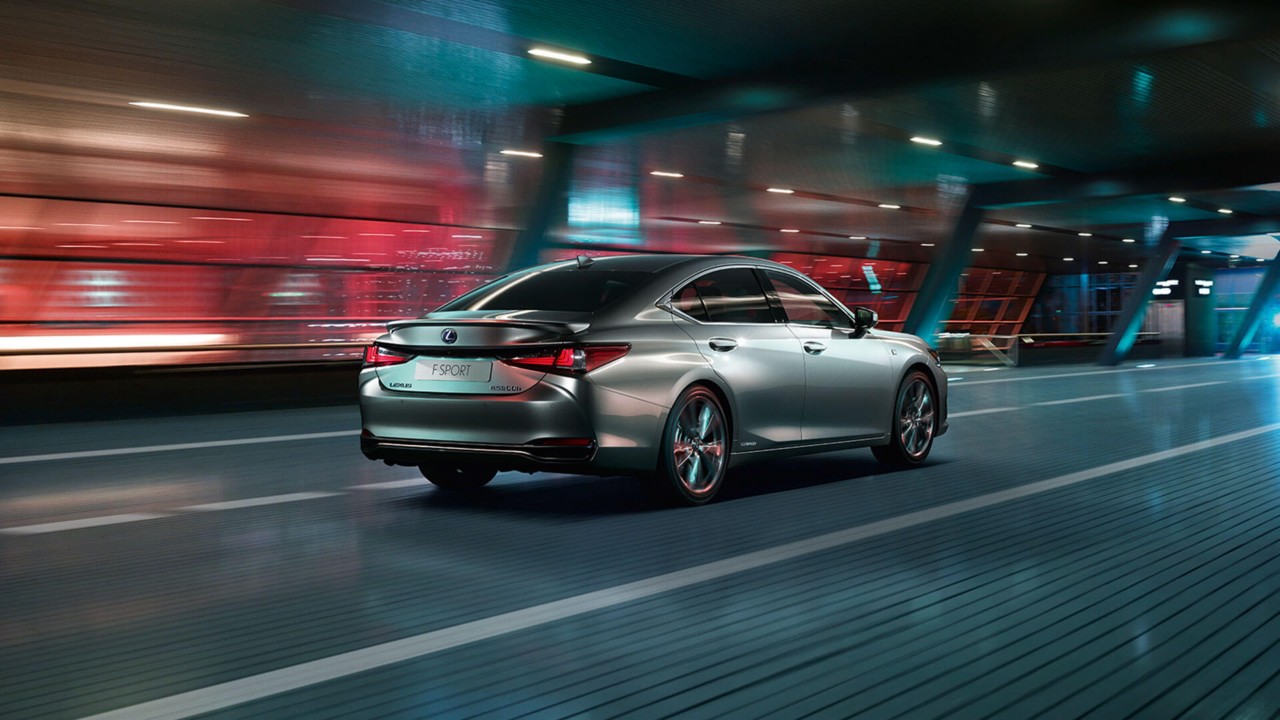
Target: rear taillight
[(376, 356), (583, 359)]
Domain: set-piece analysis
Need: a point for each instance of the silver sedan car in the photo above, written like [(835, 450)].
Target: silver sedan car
[(674, 368)]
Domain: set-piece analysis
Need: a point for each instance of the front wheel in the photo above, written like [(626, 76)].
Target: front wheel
[(914, 423), (458, 477), (695, 448)]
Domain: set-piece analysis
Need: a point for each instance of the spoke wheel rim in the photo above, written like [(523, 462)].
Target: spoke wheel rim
[(916, 418), (698, 444)]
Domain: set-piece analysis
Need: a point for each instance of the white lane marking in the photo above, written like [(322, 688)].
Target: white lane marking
[(987, 411), (393, 484), (255, 502), (175, 446), (1079, 399), (81, 523), (1220, 363), (1184, 387), (256, 687)]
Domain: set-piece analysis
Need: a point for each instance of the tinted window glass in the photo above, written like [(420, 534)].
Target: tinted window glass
[(562, 289), (805, 304), (727, 296)]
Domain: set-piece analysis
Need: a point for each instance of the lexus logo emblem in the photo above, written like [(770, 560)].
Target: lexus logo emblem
[(449, 336)]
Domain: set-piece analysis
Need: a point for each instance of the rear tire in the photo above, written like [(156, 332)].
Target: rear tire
[(694, 454), (915, 421), (457, 478)]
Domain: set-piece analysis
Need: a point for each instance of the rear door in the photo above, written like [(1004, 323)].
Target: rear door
[(848, 380), (728, 316)]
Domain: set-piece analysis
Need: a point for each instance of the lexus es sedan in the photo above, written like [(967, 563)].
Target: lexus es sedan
[(674, 368)]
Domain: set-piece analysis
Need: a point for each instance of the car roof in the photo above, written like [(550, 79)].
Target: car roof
[(656, 263)]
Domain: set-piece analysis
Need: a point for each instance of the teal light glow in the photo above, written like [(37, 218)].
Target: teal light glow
[(609, 215)]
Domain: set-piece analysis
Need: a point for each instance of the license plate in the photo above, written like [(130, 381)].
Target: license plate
[(453, 370)]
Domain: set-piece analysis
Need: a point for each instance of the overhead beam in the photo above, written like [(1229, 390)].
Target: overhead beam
[(1125, 332), (1253, 316), (915, 43), (1188, 173), (1235, 226)]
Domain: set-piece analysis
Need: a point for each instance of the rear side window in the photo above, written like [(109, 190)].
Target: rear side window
[(805, 304), (559, 289), (733, 295)]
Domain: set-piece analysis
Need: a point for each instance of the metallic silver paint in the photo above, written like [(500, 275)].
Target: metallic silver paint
[(623, 405)]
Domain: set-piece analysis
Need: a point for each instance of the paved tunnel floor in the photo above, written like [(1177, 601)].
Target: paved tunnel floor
[(1084, 542)]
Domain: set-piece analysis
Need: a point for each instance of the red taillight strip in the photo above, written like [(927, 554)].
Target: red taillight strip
[(582, 359), (376, 356)]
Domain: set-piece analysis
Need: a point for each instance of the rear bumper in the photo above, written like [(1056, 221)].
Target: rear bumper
[(401, 451)]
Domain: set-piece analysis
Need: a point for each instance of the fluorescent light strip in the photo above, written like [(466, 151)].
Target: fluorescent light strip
[(890, 206), (412, 230), (202, 242), (377, 234), (221, 219), (1024, 226), (520, 153), (1177, 199), (857, 237), (926, 141), (1226, 211), (18, 227), (152, 222), (783, 191), (664, 173), (789, 230), (324, 237), (1128, 240), (561, 56), (105, 342), (708, 222), (468, 237), (1025, 164), (84, 247), (1020, 254), (188, 108), (1085, 234)]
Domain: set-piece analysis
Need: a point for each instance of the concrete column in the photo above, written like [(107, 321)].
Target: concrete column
[(550, 204), (1125, 332), (1253, 316), (933, 303)]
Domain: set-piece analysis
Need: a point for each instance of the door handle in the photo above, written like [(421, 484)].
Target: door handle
[(722, 344), (814, 348)]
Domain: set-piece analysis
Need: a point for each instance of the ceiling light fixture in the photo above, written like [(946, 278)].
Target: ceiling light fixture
[(1226, 211), (1023, 225), (708, 222), (152, 222), (926, 244), (1133, 266), (664, 173), (789, 230), (890, 206), (189, 108), (926, 141), (1175, 198), (468, 237), (1085, 234), (1025, 164), (1206, 252), (561, 56), (783, 191), (1128, 240), (1020, 254), (520, 153), (1235, 257), (857, 237), (978, 249), (1102, 262), (1068, 259), (223, 219)]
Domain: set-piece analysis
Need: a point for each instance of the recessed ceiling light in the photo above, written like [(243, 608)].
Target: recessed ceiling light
[(1026, 164), (381, 235), (708, 222), (1225, 211), (1128, 240), (857, 237), (789, 230), (1133, 266), (664, 173), (468, 237), (1175, 198), (784, 191), (561, 56), (1234, 257), (189, 108), (1102, 262), (926, 141), (1068, 259), (978, 249), (1023, 225), (926, 244), (1085, 234), (890, 206), (1206, 252), (1020, 254), (521, 153)]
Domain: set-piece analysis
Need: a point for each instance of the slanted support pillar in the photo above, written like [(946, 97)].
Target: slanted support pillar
[(550, 204), (934, 299), (1253, 316), (1125, 332)]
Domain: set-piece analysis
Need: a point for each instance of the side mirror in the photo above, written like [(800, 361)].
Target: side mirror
[(863, 320)]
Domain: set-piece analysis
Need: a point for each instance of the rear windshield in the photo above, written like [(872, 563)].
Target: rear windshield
[(560, 289)]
